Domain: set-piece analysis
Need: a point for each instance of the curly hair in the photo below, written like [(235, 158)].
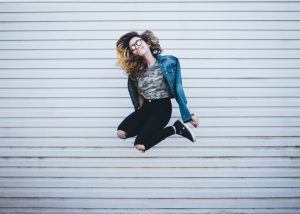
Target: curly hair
[(133, 64)]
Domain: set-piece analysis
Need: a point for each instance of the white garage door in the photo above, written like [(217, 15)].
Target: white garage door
[(62, 97)]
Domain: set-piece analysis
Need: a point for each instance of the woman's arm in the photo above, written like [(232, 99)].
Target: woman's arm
[(179, 88), (132, 88), (141, 100), (180, 95), (140, 97)]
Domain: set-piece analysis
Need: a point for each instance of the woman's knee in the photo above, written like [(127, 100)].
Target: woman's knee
[(140, 147), (121, 134)]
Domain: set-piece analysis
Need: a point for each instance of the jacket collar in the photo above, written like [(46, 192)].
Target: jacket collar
[(162, 60), (160, 57)]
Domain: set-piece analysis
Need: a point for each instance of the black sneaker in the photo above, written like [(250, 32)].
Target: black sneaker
[(184, 130)]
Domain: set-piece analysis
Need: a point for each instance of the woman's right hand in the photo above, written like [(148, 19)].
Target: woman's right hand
[(194, 121)]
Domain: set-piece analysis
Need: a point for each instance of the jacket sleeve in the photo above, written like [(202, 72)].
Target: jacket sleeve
[(180, 92), (132, 88), (179, 81)]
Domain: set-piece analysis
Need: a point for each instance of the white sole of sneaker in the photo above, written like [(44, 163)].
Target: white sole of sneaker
[(190, 130)]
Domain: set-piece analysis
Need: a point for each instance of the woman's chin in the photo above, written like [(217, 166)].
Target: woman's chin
[(143, 52)]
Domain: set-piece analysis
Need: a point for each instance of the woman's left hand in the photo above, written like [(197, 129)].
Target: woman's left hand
[(194, 121)]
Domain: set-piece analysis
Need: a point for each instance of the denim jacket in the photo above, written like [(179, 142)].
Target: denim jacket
[(170, 67)]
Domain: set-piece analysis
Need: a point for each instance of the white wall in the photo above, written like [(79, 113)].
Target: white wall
[(62, 97)]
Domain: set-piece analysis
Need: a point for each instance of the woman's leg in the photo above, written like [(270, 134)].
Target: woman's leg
[(154, 131), (151, 134), (131, 125)]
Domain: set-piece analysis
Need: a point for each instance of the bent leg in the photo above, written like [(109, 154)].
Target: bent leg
[(131, 125), (154, 131)]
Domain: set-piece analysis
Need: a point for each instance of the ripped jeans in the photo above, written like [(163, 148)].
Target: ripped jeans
[(148, 123)]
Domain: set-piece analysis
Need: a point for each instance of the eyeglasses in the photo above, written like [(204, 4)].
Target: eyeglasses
[(136, 44)]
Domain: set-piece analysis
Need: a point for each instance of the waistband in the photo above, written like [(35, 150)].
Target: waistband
[(156, 100)]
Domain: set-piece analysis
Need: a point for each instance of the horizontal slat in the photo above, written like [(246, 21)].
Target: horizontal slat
[(149, 15), (234, 162), (108, 122), (151, 172), (111, 132), (122, 83), (153, 203), (38, 73), (141, 1), (146, 211), (123, 92), (254, 141), (157, 152), (149, 182), (163, 35), (180, 142), (155, 25), (149, 6), (117, 112), (26, 210), (190, 54), (151, 193), (125, 102), (185, 63), (168, 44)]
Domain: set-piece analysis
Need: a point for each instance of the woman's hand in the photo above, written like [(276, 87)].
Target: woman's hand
[(194, 121)]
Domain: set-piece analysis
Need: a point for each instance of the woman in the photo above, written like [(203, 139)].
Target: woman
[(153, 80)]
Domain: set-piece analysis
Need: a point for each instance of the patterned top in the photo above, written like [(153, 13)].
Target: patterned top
[(151, 83)]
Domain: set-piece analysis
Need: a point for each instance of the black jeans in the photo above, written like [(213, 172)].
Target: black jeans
[(149, 122)]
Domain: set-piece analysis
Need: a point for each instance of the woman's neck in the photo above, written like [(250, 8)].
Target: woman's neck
[(150, 59)]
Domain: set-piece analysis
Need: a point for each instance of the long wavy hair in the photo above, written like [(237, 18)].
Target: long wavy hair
[(133, 64)]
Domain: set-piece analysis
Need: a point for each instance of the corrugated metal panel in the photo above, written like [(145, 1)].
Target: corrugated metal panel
[(62, 97)]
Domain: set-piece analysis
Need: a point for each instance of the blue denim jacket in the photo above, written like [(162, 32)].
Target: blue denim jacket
[(170, 67)]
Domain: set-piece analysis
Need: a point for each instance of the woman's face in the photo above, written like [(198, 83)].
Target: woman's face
[(138, 46)]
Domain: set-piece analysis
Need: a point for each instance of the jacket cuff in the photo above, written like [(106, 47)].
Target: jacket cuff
[(189, 120)]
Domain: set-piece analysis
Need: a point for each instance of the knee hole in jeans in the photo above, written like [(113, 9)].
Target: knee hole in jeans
[(121, 134), (140, 147)]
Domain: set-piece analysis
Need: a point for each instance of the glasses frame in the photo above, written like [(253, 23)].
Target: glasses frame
[(135, 45)]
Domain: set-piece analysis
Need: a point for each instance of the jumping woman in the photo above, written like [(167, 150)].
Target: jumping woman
[(153, 80)]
